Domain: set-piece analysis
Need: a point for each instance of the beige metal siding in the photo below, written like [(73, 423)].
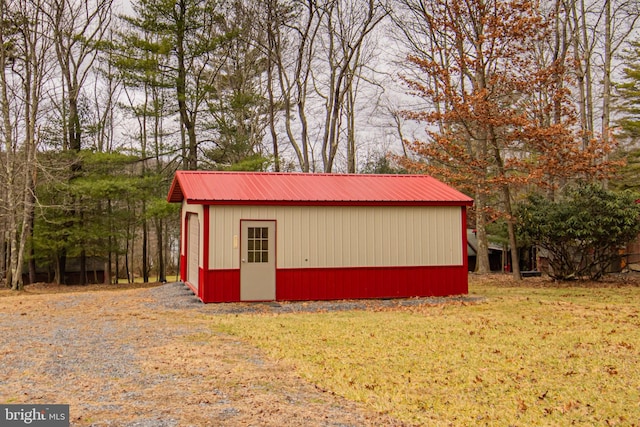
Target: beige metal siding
[(358, 236), (224, 249)]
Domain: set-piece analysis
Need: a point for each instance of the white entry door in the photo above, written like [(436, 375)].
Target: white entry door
[(258, 263), (193, 249)]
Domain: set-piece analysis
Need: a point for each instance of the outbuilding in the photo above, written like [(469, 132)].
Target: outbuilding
[(250, 236)]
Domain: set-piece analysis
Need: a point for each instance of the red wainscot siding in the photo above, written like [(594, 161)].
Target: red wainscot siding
[(369, 282), (183, 267), (221, 286), (344, 283)]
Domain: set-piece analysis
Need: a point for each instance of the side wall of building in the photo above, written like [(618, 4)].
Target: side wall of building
[(342, 252), (337, 237)]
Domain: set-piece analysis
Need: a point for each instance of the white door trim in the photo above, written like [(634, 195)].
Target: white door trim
[(258, 260)]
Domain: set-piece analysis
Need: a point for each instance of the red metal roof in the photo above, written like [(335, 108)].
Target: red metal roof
[(200, 187)]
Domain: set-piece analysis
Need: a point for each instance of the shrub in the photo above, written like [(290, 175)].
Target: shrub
[(583, 231)]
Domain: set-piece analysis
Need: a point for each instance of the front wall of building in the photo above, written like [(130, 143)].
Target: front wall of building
[(339, 237), (187, 265), (188, 209)]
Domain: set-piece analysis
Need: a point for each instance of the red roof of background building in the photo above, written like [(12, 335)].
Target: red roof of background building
[(208, 188)]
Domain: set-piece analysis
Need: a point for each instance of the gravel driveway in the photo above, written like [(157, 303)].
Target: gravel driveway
[(146, 357), (178, 296)]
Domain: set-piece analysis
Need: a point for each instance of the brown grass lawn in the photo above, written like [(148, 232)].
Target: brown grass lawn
[(530, 353), (121, 359)]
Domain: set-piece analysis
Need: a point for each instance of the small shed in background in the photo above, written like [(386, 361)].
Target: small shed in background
[(496, 253), (94, 267), (293, 236)]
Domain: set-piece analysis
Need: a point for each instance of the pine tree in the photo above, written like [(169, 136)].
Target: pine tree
[(179, 44), (629, 95)]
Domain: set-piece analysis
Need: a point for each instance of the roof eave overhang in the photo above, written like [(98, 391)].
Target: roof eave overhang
[(327, 203)]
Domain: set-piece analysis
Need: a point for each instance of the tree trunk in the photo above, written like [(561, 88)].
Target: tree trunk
[(32, 255), (145, 248), (187, 121), (271, 51), (75, 130), (117, 269), (482, 258), (3, 253), (9, 160), (513, 241), (606, 84), (61, 268), (126, 261), (580, 74), (162, 273), (107, 270), (32, 220), (83, 268), (27, 214), (351, 132), (587, 70)]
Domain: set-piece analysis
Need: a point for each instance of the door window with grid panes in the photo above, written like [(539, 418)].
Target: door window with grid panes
[(257, 244)]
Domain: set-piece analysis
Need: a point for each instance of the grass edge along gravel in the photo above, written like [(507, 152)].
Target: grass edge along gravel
[(525, 356)]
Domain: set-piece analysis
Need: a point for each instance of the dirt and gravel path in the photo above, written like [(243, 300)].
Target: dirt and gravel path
[(146, 358)]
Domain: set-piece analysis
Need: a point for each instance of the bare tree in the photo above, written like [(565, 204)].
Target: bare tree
[(79, 28), (598, 30), (315, 52), (348, 25), (24, 70), (430, 32), (620, 21), (291, 49)]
